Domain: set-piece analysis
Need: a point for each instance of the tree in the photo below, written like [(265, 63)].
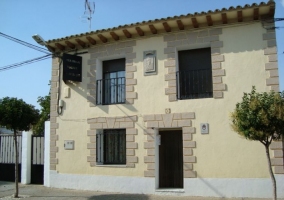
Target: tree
[(17, 115), (44, 102), (260, 117)]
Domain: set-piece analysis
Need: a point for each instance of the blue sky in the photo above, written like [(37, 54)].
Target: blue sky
[(59, 18)]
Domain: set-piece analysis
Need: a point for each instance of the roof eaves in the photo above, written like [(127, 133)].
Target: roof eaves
[(196, 14)]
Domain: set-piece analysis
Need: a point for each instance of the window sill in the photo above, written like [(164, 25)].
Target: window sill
[(112, 166), (110, 104)]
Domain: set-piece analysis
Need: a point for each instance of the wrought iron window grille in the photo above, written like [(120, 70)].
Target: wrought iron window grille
[(194, 84), (111, 147)]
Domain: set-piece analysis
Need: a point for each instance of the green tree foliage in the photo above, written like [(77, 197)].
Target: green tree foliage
[(260, 117), (44, 102), (17, 115)]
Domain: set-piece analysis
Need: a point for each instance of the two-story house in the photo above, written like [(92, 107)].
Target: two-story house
[(145, 107)]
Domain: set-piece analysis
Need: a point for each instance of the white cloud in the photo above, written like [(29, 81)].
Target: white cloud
[(282, 2)]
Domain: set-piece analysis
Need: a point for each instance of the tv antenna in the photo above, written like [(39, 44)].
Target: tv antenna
[(89, 10)]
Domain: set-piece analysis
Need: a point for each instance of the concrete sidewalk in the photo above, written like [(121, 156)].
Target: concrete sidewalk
[(44, 193)]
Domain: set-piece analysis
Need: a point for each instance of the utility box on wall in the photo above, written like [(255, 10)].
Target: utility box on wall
[(68, 144)]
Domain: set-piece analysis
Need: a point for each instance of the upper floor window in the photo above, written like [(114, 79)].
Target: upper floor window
[(194, 78), (111, 89)]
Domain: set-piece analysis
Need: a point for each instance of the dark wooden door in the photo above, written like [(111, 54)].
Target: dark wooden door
[(171, 160)]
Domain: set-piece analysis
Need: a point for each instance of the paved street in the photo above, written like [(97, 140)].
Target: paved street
[(40, 192)]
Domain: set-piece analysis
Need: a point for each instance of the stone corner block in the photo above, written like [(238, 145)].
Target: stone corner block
[(149, 173), (217, 94), (189, 174)]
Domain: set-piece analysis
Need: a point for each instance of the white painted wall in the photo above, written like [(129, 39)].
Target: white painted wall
[(229, 155), (46, 178), (26, 157), (209, 187)]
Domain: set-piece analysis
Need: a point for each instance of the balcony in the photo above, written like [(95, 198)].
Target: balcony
[(110, 91), (194, 84)]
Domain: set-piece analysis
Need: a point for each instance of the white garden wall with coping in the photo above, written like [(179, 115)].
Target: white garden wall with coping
[(26, 157), (26, 161), (46, 177)]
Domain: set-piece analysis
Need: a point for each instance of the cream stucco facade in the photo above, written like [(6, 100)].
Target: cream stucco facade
[(214, 164)]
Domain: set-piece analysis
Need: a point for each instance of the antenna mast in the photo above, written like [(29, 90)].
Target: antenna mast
[(89, 10)]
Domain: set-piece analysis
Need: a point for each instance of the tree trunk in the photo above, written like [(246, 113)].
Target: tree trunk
[(271, 172), (16, 195)]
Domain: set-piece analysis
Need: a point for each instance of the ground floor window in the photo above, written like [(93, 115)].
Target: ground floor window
[(111, 146)]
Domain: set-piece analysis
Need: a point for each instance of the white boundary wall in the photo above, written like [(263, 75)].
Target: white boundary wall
[(26, 157), (206, 187), (46, 177)]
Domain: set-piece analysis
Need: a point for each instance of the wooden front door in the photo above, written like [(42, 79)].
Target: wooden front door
[(171, 159)]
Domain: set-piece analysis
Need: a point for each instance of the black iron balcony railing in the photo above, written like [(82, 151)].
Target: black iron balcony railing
[(194, 84), (110, 91)]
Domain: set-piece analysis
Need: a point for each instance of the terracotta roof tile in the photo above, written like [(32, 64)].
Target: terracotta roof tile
[(232, 8)]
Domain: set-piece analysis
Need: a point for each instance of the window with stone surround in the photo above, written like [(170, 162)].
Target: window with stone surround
[(194, 78), (111, 89), (111, 146)]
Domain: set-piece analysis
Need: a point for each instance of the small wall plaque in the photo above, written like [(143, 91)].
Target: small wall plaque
[(67, 92), (167, 110), (150, 63)]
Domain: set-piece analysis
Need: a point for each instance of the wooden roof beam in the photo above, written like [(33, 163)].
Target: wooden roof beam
[(126, 33), (50, 48), (256, 14), (180, 25), (91, 40), (60, 46), (70, 45), (224, 18), (167, 27), (240, 16), (153, 29), (139, 31), (209, 20), (114, 36), (271, 11), (81, 43), (102, 38), (194, 22)]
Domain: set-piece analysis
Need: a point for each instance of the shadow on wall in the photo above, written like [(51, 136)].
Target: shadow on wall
[(76, 86), (119, 196), (210, 187)]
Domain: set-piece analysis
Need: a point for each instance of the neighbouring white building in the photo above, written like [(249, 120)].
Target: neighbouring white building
[(3, 130)]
